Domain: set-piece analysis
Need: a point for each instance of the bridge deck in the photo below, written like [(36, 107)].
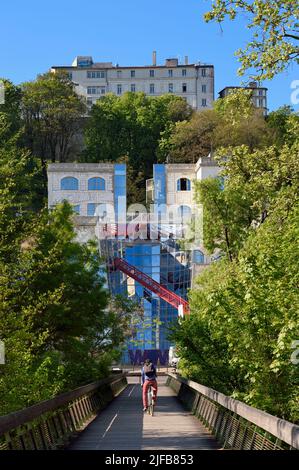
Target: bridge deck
[(123, 425)]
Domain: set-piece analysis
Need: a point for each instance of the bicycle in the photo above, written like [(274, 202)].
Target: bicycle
[(150, 401)]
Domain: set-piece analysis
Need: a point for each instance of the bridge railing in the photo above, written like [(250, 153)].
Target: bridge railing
[(51, 423), (235, 424)]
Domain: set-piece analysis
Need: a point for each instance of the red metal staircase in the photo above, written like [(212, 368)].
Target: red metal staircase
[(146, 281)]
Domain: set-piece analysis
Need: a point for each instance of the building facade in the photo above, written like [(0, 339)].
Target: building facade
[(95, 190), (98, 195), (259, 95), (193, 82)]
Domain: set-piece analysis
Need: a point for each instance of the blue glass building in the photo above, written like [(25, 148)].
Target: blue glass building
[(161, 259)]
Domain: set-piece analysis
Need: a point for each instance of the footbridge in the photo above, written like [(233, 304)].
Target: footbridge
[(107, 415)]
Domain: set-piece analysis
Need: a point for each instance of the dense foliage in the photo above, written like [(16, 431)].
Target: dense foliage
[(274, 27), (128, 128), (233, 121), (244, 310), (55, 321)]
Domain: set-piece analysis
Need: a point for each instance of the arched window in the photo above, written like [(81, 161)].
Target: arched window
[(69, 183), (96, 184), (184, 213), (183, 184)]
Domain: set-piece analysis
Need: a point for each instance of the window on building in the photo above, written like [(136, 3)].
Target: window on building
[(184, 213), (95, 74), (70, 75), (132, 73), (119, 89), (198, 257), (261, 103), (183, 184), (152, 88), (96, 90), (261, 92), (91, 209), (96, 184), (99, 210), (89, 102), (76, 209), (119, 74), (170, 87), (152, 73), (184, 72), (203, 72), (204, 102), (170, 73), (133, 87), (69, 183), (203, 88), (184, 87)]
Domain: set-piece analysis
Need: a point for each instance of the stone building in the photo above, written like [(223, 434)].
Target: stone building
[(193, 82), (259, 95)]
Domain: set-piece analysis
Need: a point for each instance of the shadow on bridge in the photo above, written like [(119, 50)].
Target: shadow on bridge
[(124, 426)]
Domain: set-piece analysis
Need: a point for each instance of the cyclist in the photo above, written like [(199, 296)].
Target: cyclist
[(149, 378)]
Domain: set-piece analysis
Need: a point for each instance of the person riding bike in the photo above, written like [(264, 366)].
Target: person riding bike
[(149, 378)]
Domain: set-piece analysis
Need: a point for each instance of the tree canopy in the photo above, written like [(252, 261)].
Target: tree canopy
[(128, 128), (233, 121), (244, 308), (274, 33)]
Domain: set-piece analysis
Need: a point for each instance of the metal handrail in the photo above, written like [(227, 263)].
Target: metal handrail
[(50, 424), (281, 430)]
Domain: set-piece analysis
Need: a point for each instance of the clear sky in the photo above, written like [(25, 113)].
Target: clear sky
[(36, 34)]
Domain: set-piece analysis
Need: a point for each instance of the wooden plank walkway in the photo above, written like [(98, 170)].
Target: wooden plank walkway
[(124, 426)]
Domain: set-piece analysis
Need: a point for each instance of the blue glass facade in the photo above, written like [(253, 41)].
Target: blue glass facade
[(162, 260), (120, 198)]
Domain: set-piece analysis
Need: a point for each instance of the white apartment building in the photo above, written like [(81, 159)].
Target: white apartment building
[(193, 82), (259, 95)]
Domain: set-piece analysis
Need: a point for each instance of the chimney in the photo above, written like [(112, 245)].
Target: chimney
[(154, 58), (186, 60)]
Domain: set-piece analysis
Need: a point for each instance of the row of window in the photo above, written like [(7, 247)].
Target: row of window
[(260, 102), (102, 73), (70, 183), (152, 88), (101, 90), (98, 74), (96, 90), (93, 209)]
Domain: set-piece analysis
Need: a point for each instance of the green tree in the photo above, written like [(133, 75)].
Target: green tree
[(227, 215), (244, 318), (52, 113), (281, 123), (275, 34), (234, 121), (10, 116), (244, 309), (129, 128)]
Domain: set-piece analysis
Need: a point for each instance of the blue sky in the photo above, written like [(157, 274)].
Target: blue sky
[(36, 34)]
